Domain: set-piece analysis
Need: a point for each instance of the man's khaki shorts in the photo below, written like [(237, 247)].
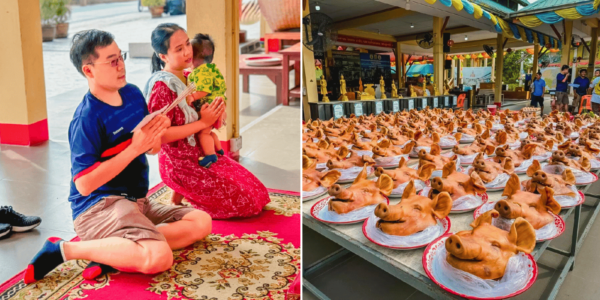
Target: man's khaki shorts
[(562, 98), (116, 216)]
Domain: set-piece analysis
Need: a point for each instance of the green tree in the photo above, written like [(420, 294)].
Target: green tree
[(512, 66)]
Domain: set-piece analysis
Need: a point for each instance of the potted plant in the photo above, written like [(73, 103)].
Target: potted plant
[(62, 13), (156, 7), (47, 14)]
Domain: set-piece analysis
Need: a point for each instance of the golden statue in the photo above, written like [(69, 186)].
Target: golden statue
[(369, 93), (412, 91), (324, 89), (448, 83), (435, 90), (424, 88), (343, 88), (382, 88), (394, 90), (360, 86)]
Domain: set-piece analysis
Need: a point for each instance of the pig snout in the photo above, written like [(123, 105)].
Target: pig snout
[(382, 210), (456, 150), (508, 209), (540, 177), (331, 165), (379, 171), (437, 184), (459, 248), (335, 190)]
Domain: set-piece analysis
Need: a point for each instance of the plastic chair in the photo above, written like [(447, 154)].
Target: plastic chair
[(587, 101)]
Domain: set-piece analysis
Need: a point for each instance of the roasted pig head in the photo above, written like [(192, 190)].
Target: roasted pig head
[(312, 179), (455, 183), (434, 157), (361, 193), (559, 183), (405, 173), (559, 158), (386, 149), (532, 207), (485, 250), (413, 214), (354, 160), (489, 170), (517, 156)]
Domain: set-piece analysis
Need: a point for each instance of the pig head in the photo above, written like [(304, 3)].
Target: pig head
[(560, 158), (354, 160), (386, 149), (559, 183), (312, 179), (455, 183), (405, 173), (489, 170), (517, 157), (485, 250), (361, 193), (413, 214), (434, 157), (532, 207)]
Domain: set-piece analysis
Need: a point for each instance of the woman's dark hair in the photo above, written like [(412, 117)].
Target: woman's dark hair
[(84, 45), (198, 47), (160, 39)]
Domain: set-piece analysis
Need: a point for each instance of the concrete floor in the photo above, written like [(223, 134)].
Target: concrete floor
[(35, 180), (352, 277)]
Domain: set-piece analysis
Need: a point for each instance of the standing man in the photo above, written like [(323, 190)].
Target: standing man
[(539, 88), (581, 90), (595, 87), (562, 84)]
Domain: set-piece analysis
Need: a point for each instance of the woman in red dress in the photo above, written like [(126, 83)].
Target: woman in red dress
[(226, 189)]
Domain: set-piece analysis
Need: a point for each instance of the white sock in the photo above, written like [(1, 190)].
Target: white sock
[(62, 250)]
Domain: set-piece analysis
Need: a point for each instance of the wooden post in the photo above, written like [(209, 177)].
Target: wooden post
[(220, 19), (309, 74), (438, 53), (566, 57), (399, 64), (593, 54), (499, 63), (458, 77), (493, 69), (23, 116), (536, 50)]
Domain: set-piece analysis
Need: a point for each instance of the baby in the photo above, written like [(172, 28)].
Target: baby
[(203, 49)]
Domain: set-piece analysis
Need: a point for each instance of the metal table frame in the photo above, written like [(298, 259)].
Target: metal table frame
[(423, 283)]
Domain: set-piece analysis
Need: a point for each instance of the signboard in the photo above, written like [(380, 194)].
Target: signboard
[(373, 66), (338, 111), (364, 41), (423, 102), (358, 109), (435, 102), (454, 100), (411, 104), (395, 106), (446, 101), (378, 107), (476, 75)]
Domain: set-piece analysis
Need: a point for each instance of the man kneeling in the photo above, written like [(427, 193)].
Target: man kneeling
[(117, 225)]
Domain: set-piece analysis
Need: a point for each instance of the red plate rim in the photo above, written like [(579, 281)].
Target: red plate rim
[(558, 220), (364, 230), (595, 179), (425, 265), (314, 215)]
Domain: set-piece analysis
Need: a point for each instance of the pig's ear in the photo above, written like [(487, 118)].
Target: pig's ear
[(522, 235), (486, 217), (560, 137), (547, 195), (477, 126), (489, 124), (501, 137), (457, 136), (362, 175), (350, 129), (323, 144), (409, 147), (369, 161), (450, 127), (448, 169), (307, 162), (478, 157), (329, 178), (409, 190), (535, 166), (402, 162), (489, 149), (477, 183), (549, 144), (569, 177), (508, 164), (384, 130), (486, 134), (512, 185), (385, 184), (442, 204), (385, 143), (426, 170), (435, 137), (585, 163), (435, 150), (343, 152), (564, 146)]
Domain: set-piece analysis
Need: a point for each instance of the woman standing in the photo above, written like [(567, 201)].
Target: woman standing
[(226, 189)]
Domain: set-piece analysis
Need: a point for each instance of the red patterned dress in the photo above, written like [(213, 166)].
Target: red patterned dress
[(225, 190)]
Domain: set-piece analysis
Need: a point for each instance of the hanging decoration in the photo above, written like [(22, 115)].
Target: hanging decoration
[(556, 16)]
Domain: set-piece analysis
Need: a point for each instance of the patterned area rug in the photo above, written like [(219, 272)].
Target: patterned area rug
[(253, 258)]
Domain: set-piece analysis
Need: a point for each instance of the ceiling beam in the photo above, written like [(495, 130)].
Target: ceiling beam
[(367, 34), (477, 45), (455, 30), (373, 18)]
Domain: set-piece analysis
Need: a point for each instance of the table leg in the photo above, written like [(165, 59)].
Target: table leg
[(278, 92), (246, 83), (266, 45), (297, 70), (285, 80)]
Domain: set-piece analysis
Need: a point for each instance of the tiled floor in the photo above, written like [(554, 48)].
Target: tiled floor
[(35, 180), (355, 278)]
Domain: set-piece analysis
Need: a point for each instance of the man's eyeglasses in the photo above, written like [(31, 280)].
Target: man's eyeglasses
[(114, 62)]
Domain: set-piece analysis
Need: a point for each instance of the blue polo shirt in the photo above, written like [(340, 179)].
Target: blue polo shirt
[(97, 133), (584, 83), (561, 86), (538, 87)]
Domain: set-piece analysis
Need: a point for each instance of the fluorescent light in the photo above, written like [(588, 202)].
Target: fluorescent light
[(412, 25), (466, 38), (317, 6)]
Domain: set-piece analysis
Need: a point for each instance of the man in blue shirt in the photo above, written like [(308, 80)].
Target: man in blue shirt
[(562, 97), (581, 90), (117, 225), (539, 88)]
